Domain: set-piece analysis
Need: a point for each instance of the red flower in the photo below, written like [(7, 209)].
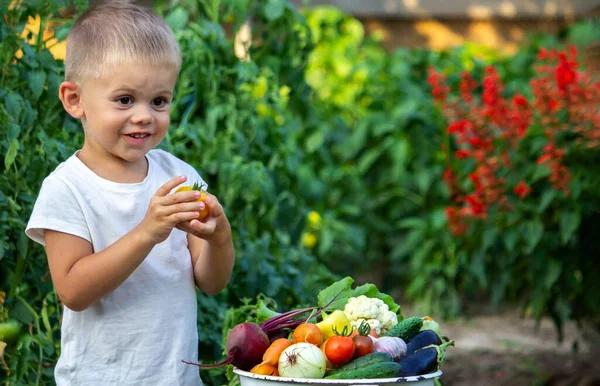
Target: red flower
[(459, 127), (522, 189), (462, 154), (543, 159), (564, 73), (520, 101), (476, 142), (436, 81), (489, 130), (478, 208)]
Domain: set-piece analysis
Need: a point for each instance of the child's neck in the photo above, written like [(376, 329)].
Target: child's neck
[(115, 169)]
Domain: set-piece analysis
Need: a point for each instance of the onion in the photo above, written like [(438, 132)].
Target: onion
[(302, 360)]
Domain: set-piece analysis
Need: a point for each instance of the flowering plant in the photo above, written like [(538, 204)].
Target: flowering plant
[(501, 147)]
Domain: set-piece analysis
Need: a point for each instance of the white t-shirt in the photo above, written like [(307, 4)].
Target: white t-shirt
[(138, 334)]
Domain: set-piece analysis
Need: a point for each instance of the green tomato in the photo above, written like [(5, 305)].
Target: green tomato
[(9, 330)]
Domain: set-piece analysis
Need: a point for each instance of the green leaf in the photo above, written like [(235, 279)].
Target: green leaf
[(404, 111), (274, 9), (409, 244), (37, 81), (23, 245), (14, 104), (569, 222), (424, 180), (20, 312), (368, 159), (11, 154), (546, 199), (510, 239), (412, 222), (341, 290), (263, 312), (554, 269), (489, 237), (478, 269), (325, 242), (178, 19), (541, 171), (534, 232), (314, 141)]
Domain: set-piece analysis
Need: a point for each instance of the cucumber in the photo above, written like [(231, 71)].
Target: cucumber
[(374, 370), (407, 328), (369, 359)]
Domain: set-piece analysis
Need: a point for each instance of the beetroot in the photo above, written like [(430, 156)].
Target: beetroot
[(245, 346)]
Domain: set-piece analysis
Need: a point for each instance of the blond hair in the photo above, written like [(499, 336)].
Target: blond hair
[(115, 33)]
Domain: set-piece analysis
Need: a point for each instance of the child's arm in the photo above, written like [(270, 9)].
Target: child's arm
[(81, 277), (211, 248)]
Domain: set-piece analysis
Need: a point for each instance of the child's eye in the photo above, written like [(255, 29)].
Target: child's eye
[(159, 102), (125, 100)]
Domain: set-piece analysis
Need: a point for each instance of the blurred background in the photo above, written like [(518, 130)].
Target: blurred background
[(445, 151)]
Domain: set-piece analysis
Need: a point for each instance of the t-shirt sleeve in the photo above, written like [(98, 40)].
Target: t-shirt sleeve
[(58, 209)]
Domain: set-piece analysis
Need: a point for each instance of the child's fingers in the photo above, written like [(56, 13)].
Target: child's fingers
[(180, 217), (216, 209), (204, 228), (184, 207), (170, 185), (175, 198)]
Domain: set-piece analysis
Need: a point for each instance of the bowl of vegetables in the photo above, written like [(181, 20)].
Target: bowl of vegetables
[(251, 379), (354, 336)]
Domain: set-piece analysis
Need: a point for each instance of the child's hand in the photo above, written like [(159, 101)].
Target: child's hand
[(215, 227), (167, 210)]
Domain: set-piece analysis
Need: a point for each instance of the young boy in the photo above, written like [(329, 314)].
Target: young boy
[(124, 252)]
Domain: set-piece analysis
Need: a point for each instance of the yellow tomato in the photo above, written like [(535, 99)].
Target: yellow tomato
[(204, 212)]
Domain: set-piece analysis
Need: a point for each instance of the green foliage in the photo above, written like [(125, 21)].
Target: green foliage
[(377, 154), (36, 136)]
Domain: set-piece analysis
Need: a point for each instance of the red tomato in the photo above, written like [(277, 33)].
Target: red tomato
[(363, 345), (339, 349)]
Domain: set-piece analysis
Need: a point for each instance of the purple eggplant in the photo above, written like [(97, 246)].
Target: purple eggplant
[(422, 339), (425, 360)]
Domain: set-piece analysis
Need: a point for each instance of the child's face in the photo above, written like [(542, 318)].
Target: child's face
[(126, 111)]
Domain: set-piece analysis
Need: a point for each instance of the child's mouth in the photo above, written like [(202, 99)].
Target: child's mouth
[(137, 139)]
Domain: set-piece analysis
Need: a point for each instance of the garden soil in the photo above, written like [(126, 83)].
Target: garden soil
[(503, 348)]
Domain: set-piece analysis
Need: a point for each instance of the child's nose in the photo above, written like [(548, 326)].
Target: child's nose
[(142, 115)]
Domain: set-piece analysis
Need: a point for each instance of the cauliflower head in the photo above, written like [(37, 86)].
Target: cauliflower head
[(373, 311)]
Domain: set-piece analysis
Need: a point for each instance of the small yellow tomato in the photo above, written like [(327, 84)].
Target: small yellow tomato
[(204, 212)]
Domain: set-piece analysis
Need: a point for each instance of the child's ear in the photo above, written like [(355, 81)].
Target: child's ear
[(69, 94)]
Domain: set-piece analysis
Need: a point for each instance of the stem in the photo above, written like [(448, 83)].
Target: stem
[(226, 362), (40, 37), (39, 331), (19, 271)]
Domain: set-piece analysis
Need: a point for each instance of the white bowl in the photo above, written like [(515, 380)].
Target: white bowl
[(250, 379)]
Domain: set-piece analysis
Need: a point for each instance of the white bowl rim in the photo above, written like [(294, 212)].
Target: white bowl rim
[(337, 381)]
